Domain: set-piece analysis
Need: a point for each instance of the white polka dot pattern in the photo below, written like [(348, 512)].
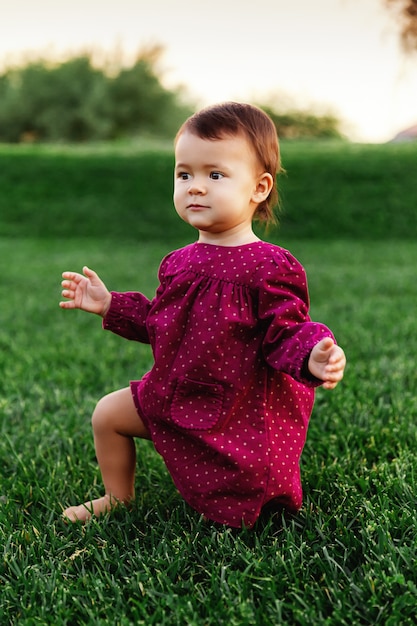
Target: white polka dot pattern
[(229, 398)]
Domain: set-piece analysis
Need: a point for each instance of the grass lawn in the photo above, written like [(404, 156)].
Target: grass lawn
[(332, 189), (349, 556)]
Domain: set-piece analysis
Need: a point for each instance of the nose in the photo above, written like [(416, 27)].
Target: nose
[(196, 187)]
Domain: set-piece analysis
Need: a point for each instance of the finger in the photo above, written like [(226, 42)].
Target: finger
[(68, 293), (323, 347), (89, 273), (334, 366), (326, 344), (92, 276), (67, 304), (333, 377), (72, 276), (337, 357), (329, 385)]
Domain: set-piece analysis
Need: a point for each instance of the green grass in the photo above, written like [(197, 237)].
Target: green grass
[(331, 189), (349, 190), (347, 558)]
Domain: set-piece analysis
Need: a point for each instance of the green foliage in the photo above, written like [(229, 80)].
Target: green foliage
[(295, 124), (138, 103), (73, 101), (347, 558), (330, 189)]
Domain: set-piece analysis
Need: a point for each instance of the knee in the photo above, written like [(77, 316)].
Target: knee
[(102, 417)]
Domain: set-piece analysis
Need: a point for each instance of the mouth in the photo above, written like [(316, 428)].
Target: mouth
[(196, 207)]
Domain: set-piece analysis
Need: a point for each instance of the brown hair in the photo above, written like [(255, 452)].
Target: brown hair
[(232, 118)]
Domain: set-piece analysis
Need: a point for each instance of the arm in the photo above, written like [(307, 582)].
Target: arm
[(123, 314), (128, 315), (128, 312), (290, 335)]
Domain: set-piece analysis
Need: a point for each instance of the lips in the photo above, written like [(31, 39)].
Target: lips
[(196, 207)]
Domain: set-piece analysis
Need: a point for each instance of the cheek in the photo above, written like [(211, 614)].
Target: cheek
[(176, 195), (179, 203)]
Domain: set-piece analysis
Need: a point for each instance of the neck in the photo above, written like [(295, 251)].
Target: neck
[(228, 238)]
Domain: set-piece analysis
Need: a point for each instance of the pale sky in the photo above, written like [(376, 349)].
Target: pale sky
[(342, 55)]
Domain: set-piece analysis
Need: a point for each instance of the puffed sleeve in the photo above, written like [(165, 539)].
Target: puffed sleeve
[(290, 335)]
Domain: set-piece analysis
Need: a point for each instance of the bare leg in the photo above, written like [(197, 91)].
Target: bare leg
[(115, 423)]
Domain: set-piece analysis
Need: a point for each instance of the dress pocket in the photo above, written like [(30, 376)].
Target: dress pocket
[(196, 405)]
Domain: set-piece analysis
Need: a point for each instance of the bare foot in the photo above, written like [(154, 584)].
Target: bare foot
[(84, 512)]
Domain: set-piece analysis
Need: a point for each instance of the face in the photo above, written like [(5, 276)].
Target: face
[(218, 185)]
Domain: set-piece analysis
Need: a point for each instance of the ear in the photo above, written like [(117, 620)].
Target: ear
[(263, 188)]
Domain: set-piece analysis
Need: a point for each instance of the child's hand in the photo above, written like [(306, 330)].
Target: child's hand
[(327, 362), (86, 292)]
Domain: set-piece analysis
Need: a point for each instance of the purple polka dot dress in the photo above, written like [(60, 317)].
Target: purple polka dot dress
[(229, 397)]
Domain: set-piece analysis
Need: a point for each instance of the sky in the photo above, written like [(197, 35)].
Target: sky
[(338, 56)]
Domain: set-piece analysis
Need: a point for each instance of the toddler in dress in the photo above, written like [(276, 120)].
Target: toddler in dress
[(236, 356)]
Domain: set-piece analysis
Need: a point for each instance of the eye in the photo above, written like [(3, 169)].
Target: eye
[(216, 175), (183, 176)]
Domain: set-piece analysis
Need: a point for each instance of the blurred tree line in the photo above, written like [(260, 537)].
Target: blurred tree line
[(75, 101), (297, 124)]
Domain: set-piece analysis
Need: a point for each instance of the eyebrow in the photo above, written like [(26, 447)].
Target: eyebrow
[(217, 166)]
